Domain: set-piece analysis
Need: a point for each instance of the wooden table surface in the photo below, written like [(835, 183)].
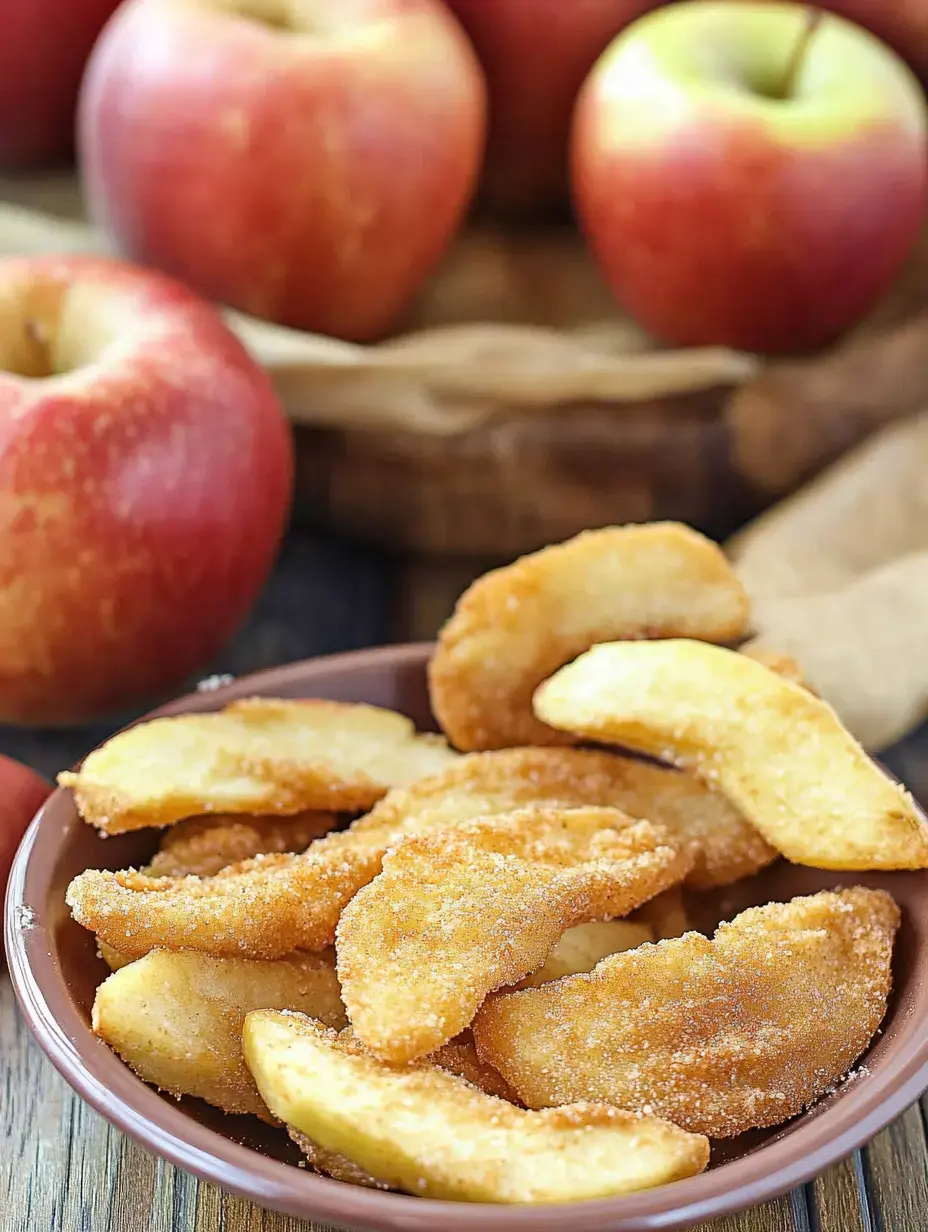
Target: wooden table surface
[(63, 1168)]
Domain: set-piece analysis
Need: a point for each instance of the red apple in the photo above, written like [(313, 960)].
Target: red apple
[(732, 198), (22, 793), (306, 163), (535, 54), (145, 472), (44, 45)]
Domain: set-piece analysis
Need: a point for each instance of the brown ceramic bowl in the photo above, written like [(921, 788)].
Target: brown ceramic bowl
[(55, 970)]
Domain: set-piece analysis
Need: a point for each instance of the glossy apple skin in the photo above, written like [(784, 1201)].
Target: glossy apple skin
[(310, 180), (535, 54), (720, 217), (44, 45), (22, 793), (142, 495)]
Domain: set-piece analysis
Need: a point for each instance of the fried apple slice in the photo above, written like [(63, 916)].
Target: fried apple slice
[(176, 1019), (262, 908), (779, 753), (582, 947), (202, 846), (718, 1036), (266, 907), (484, 784), (515, 626), (423, 1130), (258, 755), (458, 1056), (459, 912)]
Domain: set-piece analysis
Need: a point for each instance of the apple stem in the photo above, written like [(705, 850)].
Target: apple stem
[(813, 18), (38, 347)]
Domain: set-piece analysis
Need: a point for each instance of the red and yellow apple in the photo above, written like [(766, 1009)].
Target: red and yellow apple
[(145, 475), (535, 54), (742, 183), (22, 793), (307, 163), (44, 45)]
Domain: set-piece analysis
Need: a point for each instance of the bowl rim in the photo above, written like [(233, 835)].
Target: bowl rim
[(109, 1086)]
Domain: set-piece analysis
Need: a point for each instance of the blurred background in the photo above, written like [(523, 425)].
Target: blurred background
[(503, 270)]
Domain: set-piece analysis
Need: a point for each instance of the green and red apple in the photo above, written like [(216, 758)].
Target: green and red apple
[(44, 45), (535, 54), (145, 477), (307, 163), (748, 177)]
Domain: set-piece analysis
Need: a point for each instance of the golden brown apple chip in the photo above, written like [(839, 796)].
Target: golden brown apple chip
[(459, 912), (726, 847), (718, 1036), (517, 625), (261, 908)]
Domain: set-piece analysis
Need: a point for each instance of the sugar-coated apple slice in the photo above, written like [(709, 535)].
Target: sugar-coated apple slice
[(428, 1132), (779, 753)]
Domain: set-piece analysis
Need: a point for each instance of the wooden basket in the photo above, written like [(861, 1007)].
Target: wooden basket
[(713, 458), (529, 469)]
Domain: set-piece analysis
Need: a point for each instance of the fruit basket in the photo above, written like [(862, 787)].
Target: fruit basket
[(713, 457), (519, 406)]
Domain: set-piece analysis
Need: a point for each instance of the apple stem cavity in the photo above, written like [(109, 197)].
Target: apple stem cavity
[(813, 19)]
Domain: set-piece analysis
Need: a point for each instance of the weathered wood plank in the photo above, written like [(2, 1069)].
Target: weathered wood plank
[(839, 1198), (771, 1217), (897, 1163)]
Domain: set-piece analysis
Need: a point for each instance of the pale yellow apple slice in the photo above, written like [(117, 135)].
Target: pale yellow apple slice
[(779, 753), (176, 1018), (423, 1130), (258, 755)]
